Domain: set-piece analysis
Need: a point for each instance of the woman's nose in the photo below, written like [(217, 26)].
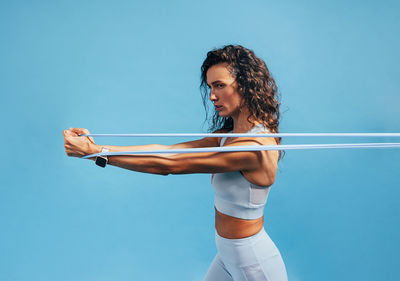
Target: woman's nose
[(212, 96)]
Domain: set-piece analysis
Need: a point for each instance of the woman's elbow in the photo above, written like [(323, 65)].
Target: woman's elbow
[(168, 167), (175, 167), (160, 170), (157, 171)]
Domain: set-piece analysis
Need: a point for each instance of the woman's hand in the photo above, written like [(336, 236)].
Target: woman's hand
[(76, 146)]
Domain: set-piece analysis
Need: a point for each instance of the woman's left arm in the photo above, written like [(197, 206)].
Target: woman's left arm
[(188, 163)]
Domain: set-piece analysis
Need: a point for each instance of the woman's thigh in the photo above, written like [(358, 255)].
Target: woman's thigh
[(271, 269), (217, 271)]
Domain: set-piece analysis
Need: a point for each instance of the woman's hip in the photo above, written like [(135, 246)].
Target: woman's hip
[(251, 258), (246, 251)]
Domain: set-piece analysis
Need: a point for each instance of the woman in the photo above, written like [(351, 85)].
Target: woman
[(245, 99)]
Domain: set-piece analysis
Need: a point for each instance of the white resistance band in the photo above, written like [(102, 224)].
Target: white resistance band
[(251, 147), (233, 135)]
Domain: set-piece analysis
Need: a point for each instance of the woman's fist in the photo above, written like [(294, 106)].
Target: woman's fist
[(76, 146)]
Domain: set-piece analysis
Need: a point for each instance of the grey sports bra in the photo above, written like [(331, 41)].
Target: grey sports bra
[(235, 195)]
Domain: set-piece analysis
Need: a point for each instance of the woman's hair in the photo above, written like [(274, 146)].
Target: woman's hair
[(255, 85)]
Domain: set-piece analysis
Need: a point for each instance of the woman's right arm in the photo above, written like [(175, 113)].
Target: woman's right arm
[(204, 142)]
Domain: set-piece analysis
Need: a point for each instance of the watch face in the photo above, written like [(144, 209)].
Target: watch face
[(101, 161)]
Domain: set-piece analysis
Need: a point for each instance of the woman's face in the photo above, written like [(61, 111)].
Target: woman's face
[(223, 90)]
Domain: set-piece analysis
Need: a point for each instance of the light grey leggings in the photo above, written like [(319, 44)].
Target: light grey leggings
[(254, 258)]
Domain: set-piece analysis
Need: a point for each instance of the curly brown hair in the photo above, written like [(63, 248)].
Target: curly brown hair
[(255, 85)]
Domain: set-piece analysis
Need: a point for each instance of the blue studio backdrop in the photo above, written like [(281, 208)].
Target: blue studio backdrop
[(134, 67)]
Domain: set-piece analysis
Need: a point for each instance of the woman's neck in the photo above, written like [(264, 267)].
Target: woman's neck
[(240, 122)]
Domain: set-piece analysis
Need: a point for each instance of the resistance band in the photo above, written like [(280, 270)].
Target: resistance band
[(251, 148), (272, 135)]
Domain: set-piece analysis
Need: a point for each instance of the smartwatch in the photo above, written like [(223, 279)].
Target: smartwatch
[(103, 159)]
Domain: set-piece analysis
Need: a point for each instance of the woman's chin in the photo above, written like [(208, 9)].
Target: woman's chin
[(222, 114)]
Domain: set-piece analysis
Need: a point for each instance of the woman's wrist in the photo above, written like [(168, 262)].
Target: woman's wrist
[(94, 148)]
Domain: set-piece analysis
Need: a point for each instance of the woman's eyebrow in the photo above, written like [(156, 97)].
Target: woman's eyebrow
[(215, 82)]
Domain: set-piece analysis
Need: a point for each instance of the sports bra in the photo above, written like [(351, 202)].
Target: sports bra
[(235, 196)]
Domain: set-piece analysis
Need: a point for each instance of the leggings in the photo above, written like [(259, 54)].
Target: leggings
[(254, 258)]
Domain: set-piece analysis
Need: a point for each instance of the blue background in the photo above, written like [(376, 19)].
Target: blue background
[(134, 67)]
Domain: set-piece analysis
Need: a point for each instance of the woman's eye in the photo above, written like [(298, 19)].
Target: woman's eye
[(220, 85)]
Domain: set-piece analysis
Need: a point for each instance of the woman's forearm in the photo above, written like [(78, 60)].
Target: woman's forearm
[(142, 147), (96, 148), (154, 164), (134, 147)]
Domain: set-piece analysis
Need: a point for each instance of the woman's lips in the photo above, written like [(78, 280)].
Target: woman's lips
[(218, 107)]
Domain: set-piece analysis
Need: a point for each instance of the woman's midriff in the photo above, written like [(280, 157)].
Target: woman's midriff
[(235, 228)]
